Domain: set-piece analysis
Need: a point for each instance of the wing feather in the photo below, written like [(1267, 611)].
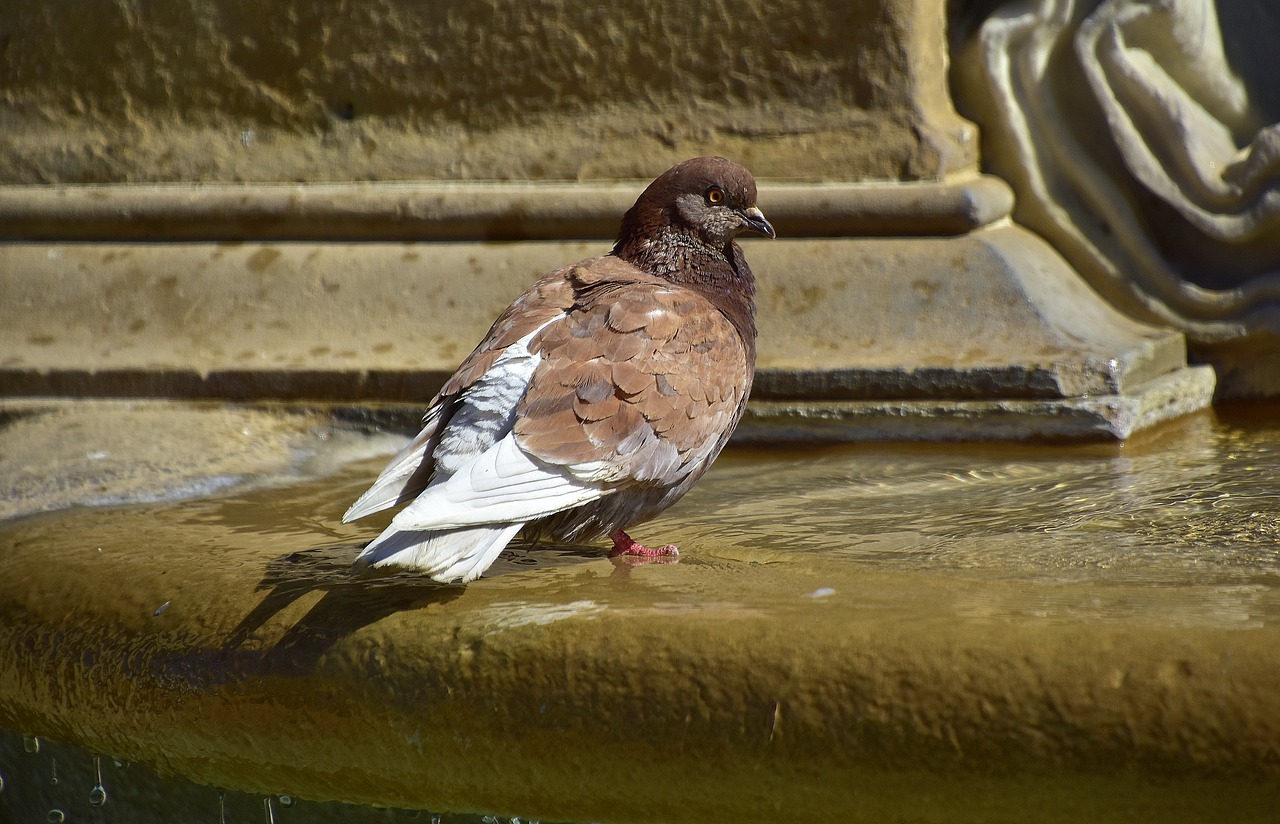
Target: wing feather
[(501, 485), (653, 388), (405, 476)]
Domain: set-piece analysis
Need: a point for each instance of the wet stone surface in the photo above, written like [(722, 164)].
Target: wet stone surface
[(55, 455), (876, 631)]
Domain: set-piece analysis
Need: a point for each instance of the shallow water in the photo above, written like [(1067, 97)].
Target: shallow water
[(1192, 507), (1194, 503), (1176, 529)]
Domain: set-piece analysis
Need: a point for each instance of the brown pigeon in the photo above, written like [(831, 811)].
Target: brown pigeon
[(597, 398)]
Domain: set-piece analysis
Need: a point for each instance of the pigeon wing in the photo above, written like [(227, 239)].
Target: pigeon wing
[(643, 382), (409, 473)]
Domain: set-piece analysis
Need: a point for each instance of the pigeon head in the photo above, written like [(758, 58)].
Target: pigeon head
[(705, 202), (713, 197)]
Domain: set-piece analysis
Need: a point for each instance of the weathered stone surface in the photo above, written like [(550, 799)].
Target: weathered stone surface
[(217, 92), (54, 455), (1084, 418), (467, 210), (992, 315), (222, 90), (1142, 140), (971, 634)]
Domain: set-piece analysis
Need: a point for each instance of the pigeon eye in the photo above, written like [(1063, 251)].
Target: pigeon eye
[(715, 195)]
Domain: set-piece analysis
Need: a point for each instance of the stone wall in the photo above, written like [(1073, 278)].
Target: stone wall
[(233, 90), (197, 198)]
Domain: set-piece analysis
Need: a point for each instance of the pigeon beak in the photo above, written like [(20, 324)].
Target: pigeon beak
[(754, 220)]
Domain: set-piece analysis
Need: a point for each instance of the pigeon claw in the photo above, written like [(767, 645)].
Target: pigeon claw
[(624, 544)]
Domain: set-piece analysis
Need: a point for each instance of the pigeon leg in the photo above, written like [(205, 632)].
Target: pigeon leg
[(624, 544)]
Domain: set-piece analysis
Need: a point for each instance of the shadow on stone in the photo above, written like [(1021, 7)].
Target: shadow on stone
[(351, 600), (354, 599)]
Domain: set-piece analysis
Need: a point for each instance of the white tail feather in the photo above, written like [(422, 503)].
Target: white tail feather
[(445, 555), (389, 488)]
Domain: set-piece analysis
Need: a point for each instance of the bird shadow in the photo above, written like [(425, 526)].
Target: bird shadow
[(353, 598)]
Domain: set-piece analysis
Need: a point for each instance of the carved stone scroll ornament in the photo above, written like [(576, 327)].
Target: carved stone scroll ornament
[(1142, 140)]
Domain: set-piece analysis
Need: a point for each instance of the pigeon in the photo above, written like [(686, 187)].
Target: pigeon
[(597, 398)]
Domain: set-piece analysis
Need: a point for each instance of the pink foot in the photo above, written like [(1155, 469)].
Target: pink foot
[(624, 544)]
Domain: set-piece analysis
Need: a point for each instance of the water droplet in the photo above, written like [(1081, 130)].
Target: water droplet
[(436, 818), (53, 771), (286, 801), (98, 795), (120, 765), (222, 807), (31, 744), (56, 816), (1, 783), (269, 810), (160, 609)]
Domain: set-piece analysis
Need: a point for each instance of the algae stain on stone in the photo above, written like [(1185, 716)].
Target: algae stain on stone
[(801, 299), (262, 259), (926, 289)]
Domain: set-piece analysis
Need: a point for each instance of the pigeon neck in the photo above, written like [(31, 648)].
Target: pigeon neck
[(720, 274)]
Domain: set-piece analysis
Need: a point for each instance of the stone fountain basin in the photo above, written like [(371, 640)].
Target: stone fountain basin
[(932, 633)]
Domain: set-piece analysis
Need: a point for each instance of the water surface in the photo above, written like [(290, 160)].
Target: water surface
[(1101, 610)]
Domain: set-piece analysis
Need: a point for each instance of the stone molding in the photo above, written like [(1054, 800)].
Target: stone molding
[(938, 326), (465, 210)]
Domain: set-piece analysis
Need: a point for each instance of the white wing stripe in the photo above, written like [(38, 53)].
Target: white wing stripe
[(488, 407), (501, 485)]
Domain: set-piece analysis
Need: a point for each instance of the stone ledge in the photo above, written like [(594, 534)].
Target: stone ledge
[(986, 320), (466, 210), (1108, 416)]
